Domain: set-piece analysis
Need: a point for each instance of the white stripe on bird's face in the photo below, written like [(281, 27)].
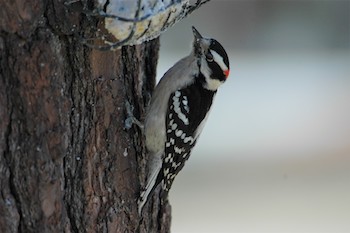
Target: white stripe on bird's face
[(219, 60), (211, 84)]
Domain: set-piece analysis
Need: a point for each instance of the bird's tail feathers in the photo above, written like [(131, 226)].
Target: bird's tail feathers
[(152, 182)]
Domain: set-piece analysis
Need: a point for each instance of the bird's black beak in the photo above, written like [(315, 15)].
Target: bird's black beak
[(197, 42), (197, 35)]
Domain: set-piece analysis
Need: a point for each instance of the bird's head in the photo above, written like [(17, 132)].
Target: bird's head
[(212, 60)]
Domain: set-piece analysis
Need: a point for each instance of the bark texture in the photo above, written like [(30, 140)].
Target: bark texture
[(67, 162)]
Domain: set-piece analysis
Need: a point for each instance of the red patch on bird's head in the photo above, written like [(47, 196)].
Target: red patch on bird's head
[(227, 73)]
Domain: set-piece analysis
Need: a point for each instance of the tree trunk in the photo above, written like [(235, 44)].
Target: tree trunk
[(67, 162)]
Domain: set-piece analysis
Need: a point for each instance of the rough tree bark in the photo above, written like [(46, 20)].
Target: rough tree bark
[(67, 163)]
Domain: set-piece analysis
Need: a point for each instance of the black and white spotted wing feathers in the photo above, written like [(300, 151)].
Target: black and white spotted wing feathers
[(184, 115), (179, 142)]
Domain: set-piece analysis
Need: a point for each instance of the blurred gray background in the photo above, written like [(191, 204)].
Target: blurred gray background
[(275, 153)]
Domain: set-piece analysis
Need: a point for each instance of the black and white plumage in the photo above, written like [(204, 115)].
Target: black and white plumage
[(178, 111)]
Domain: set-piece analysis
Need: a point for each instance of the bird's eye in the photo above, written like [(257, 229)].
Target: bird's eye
[(209, 57)]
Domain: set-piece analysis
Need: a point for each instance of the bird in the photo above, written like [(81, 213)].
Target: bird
[(178, 111)]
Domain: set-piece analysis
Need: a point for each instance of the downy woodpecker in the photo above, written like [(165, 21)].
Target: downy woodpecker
[(178, 111)]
